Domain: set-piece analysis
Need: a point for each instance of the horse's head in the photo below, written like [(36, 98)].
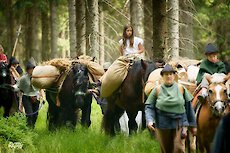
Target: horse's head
[(217, 93), (3, 70), (81, 82)]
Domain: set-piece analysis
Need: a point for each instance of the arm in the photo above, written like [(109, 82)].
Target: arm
[(140, 48), (122, 50), (150, 110)]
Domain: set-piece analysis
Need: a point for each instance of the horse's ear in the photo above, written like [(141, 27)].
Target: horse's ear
[(208, 77), (227, 78), (143, 64)]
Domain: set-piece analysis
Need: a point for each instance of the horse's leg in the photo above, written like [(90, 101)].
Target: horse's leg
[(109, 117), (118, 113), (143, 126), (6, 111), (86, 111), (69, 117), (132, 122), (53, 111)]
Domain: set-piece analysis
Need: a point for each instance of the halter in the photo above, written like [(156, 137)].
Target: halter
[(212, 105)]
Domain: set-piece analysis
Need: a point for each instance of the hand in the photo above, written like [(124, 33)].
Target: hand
[(151, 126)]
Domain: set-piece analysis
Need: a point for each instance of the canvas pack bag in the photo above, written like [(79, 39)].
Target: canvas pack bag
[(45, 76), (114, 76)]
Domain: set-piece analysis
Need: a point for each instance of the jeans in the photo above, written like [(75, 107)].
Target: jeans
[(31, 109)]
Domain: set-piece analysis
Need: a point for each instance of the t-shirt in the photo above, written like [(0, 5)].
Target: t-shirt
[(134, 49)]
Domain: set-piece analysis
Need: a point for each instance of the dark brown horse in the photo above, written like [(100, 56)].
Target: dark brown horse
[(73, 96), (7, 96), (211, 111), (129, 97)]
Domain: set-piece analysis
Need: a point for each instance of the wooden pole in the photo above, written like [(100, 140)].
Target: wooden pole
[(16, 41)]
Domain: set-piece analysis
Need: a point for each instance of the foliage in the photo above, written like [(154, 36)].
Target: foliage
[(211, 25), (14, 133), (91, 140)]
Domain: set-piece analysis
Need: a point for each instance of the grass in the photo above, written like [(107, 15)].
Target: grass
[(91, 140)]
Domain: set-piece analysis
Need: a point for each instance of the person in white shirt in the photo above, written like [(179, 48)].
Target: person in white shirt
[(130, 44)]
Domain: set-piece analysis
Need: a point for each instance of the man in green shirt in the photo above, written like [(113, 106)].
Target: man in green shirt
[(210, 65)]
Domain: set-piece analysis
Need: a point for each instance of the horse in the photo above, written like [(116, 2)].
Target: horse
[(211, 111), (7, 96), (129, 97), (72, 96)]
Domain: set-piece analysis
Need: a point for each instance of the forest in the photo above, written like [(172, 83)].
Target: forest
[(53, 29), (46, 29)]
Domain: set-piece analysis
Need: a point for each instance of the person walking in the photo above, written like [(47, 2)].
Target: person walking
[(31, 95), (169, 112)]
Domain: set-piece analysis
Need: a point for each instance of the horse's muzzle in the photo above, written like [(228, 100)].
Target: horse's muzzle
[(219, 107), (4, 74), (80, 93)]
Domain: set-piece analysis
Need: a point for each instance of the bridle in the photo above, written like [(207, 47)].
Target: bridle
[(212, 104)]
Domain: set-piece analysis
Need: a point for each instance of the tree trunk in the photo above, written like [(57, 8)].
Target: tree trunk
[(173, 29), (46, 52), (81, 27), (72, 28), (28, 33), (10, 30), (35, 23), (54, 29), (101, 36), (136, 16), (186, 29), (159, 29), (94, 29), (148, 24)]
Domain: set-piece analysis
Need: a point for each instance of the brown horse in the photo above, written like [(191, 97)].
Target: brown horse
[(211, 111), (129, 97)]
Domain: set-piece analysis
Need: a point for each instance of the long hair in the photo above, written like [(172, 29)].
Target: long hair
[(125, 37)]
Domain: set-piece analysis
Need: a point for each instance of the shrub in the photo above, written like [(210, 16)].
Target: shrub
[(15, 135)]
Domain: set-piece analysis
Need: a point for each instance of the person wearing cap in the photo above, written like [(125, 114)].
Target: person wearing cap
[(3, 57), (30, 95), (208, 66), (168, 112)]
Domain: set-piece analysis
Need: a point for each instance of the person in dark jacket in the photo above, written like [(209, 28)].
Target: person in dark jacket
[(221, 141), (169, 112), (209, 66)]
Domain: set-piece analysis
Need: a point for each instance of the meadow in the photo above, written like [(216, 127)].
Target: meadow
[(91, 140)]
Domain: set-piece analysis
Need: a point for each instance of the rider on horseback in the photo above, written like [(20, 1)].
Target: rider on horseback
[(208, 66)]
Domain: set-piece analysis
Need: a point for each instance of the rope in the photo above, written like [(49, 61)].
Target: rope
[(39, 108)]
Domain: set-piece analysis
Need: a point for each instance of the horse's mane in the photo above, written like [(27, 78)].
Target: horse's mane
[(217, 77)]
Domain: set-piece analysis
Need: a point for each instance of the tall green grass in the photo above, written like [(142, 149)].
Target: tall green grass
[(91, 140)]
